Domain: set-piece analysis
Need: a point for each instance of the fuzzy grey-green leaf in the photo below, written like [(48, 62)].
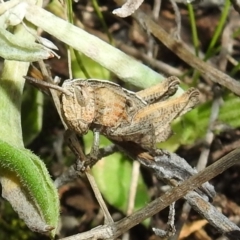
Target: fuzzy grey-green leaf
[(14, 49), (32, 176)]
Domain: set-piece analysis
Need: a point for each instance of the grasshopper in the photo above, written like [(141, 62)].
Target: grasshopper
[(105, 107), (102, 105)]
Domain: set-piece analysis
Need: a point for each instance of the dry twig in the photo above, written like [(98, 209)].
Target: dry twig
[(128, 8)]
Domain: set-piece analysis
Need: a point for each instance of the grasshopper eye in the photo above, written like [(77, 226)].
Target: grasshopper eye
[(129, 103), (81, 95), (130, 106)]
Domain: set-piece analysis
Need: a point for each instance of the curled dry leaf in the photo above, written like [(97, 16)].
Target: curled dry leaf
[(128, 8)]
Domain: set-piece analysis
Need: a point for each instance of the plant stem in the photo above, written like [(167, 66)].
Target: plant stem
[(11, 88)]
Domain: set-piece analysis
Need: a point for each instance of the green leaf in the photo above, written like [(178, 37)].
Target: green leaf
[(94, 69), (229, 112), (113, 176), (31, 114), (24, 176)]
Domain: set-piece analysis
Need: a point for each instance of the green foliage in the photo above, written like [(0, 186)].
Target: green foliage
[(31, 114), (213, 48), (113, 175), (93, 69), (229, 112), (193, 125)]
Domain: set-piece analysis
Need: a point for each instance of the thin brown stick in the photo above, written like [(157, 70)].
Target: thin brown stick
[(152, 47), (53, 92), (132, 193), (177, 19), (133, 187), (107, 216)]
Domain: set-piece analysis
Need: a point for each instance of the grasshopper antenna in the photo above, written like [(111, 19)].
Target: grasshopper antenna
[(46, 84)]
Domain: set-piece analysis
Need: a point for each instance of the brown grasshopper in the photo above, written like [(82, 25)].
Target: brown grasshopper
[(101, 105), (123, 115), (126, 116)]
